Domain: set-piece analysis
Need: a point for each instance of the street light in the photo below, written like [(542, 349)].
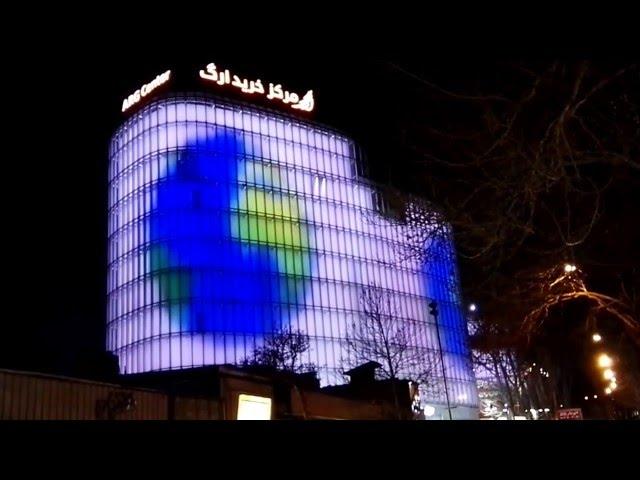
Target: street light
[(433, 310), (596, 337), (608, 374), (608, 391), (568, 268), (604, 361), (473, 307)]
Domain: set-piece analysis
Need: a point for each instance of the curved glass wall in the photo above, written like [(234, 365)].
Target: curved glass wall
[(228, 222)]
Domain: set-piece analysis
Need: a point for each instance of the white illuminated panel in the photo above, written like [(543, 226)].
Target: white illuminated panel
[(251, 407)]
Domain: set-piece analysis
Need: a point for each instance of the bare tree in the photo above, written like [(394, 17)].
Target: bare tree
[(283, 351), (505, 381), (423, 225), (532, 163), (555, 287), (498, 372), (382, 336), (540, 172)]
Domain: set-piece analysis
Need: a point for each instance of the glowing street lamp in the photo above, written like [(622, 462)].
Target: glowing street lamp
[(568, 268), (608, 391), (429, 411), (473, 307), (604, 360), (608, 374), (596, 337)]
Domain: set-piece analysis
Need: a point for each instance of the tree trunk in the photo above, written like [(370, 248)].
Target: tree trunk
[(506, 383)]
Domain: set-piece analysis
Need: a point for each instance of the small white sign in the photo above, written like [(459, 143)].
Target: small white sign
[(251, 407)]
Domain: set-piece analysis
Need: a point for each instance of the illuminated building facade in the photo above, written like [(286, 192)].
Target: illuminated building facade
[(228, 222)]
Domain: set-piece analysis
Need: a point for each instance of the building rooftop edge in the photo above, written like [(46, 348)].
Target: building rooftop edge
[(196, 94)]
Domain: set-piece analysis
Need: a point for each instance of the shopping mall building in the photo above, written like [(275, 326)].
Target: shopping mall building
[(230, 221)]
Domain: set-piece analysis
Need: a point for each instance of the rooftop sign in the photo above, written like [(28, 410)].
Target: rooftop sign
[(145, 90), (275, 92)]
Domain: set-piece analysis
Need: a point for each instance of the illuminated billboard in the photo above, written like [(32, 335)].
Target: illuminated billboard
[(228, 222)]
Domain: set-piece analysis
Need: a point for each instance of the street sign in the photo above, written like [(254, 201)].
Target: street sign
[(569, 414)]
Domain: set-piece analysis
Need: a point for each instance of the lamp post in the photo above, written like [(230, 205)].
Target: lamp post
[(433, 309)]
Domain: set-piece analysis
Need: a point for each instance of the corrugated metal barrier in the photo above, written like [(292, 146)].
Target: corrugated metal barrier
[(34, 396)]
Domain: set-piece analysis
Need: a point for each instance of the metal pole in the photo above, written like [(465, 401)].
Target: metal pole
[(444, 373)]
